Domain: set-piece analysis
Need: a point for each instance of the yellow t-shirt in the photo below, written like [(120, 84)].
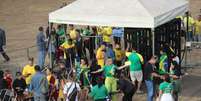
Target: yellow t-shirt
[(191, 22), (100, 57), (73, 34), (65, 45), (119, 54), (28, 70), (197, 27), (107, 32)]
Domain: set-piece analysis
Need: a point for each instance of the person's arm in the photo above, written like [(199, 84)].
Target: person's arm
[(160, 94), (98, 71), (153, 74), (122, 67), (25, 73)]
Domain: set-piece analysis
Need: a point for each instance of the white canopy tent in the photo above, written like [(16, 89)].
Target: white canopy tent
[(119, 13)]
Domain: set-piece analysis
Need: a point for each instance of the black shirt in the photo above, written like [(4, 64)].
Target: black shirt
[(125, 86), (3, 84), (21, 84), (148, 70)]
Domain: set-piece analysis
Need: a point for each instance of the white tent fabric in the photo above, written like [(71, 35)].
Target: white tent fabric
[(119, 13)]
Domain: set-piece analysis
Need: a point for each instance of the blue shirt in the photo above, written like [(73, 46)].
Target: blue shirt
[(40, 41), (110, 53), (118, 32), (35, 85)]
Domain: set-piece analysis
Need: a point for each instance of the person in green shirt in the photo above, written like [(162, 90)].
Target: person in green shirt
[(166, 89), (135, 61), (84, 72), (60, 34), (110, 81), (163, 62), (99, 92)]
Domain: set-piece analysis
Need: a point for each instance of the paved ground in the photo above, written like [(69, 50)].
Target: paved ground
[(21, 19)]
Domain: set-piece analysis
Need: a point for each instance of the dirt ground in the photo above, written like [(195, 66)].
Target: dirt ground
[(21, 19)]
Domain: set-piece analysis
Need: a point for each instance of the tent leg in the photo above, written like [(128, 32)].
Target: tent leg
[(50, 43), (153, 41)]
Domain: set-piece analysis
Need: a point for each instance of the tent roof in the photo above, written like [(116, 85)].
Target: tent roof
[(120, 13)]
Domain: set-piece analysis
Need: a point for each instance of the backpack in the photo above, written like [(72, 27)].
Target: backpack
[(72, 96), (43, 88)]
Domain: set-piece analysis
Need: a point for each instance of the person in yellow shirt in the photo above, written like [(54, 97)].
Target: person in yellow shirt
[(69, 52), (197, 36), (119, 55), (191, 23), (100, 55), (72, 32), (106, 32), (28, 71)]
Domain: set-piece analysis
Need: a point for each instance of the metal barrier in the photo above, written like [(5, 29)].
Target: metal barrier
[(140, 39), (192, 55)]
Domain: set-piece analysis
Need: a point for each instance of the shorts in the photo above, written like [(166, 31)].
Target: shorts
[(166, 97), (136, 75)]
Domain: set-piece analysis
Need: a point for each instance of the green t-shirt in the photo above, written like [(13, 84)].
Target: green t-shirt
[(135, 62), (61, 32), (98, 93), (166, 87), (109, 70)]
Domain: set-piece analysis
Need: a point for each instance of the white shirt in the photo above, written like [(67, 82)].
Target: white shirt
[(68, 88)]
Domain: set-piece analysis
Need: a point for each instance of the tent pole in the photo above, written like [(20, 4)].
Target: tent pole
[(50, 43), (123, 40), (153, 41)]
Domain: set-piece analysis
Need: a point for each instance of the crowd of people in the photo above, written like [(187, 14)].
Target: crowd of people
[(80, 71), (194, 27)]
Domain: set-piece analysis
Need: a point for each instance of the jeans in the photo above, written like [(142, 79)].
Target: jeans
[(150, 89), (189, 36), (197, 38), (40, 98), (41, 59)]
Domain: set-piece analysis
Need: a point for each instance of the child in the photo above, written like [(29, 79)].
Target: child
[(166, 89), (8, 78), (19, 86)]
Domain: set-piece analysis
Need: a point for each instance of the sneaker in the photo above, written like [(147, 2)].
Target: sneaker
[(139, 92)]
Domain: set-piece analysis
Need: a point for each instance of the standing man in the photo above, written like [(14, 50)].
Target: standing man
[(39, 85), (100, 55), (197, 36), (3, 44), (191, 22), (41, 47), (136, 60), (149, 74), (28, 71)]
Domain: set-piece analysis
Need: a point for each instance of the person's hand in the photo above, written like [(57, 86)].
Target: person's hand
[(4, 47), (161, 77), (26, 93)]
